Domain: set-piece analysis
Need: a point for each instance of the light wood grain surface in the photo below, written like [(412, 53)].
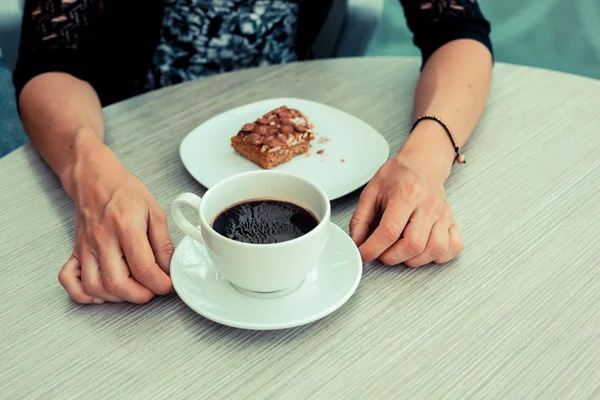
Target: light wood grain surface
[(517, 315)]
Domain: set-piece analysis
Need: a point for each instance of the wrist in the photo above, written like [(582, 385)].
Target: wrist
[(87, 160), (430, 145)]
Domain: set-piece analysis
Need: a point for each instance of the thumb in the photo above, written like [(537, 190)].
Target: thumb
[(363, 216), (160, 240)]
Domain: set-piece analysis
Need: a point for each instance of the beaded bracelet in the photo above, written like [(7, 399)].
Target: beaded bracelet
[(460, 158)]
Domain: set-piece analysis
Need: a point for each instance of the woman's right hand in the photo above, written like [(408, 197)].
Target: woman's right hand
[(122, 244)]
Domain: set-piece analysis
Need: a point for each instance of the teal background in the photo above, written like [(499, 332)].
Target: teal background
[(552, 34)]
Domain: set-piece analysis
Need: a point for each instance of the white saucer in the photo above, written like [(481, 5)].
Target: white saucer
[(323, 291), (207, 154)]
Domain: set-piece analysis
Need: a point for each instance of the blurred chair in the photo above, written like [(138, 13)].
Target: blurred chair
[(348, 28), (346, 33), (362, 17)]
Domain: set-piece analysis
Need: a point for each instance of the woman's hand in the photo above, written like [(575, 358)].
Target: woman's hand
[(405, 208), (122, 243)]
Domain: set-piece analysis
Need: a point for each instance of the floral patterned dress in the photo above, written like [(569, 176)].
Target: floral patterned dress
[(126, 47), (201, 38)]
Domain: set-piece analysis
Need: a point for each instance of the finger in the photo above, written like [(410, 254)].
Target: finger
[(140, 258), (69, 278), (363, 216), (160, 240), (116, 277), (413, 241), (91, 278), (388, 232), (455, 247), (437, 246)]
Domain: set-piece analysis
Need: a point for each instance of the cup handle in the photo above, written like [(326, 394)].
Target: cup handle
[(191, 200)]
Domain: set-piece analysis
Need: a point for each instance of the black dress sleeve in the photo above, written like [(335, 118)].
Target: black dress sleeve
[(437, 22), (57, 36)]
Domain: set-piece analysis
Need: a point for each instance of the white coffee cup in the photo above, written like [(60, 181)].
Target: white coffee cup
[(258, 268)]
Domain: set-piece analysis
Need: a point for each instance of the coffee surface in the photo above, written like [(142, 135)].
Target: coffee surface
[(264, 221)]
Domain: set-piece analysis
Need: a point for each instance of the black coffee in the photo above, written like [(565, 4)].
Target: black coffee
[(264, 221)]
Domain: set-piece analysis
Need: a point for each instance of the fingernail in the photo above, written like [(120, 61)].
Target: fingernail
[(98, 301)]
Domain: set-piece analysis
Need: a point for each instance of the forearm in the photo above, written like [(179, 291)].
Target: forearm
[(454, 85), (63, 119)]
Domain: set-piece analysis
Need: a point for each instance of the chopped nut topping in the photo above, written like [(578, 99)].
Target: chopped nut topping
[(278, 129)]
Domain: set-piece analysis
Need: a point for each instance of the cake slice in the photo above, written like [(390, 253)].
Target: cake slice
[(274, 139)]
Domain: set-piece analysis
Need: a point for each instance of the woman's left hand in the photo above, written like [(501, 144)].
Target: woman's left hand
[(405, 208)]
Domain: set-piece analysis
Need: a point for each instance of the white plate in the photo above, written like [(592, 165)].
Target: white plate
[(207, 154), (323, 291)]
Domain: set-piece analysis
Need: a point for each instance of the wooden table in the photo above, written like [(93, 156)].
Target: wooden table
[(517, 315)]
